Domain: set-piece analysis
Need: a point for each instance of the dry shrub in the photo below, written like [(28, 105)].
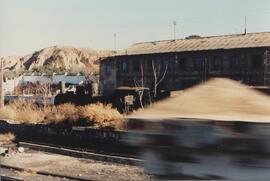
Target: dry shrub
[(8, 137), (103, 116), (59, 114), (7, 113), (27, 112)]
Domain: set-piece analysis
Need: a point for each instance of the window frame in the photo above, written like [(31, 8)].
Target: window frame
[(136, 69), (196, 65), (259, 65), (233, 59), (182, 64), (108, 69), (216, 64), (122, 68)]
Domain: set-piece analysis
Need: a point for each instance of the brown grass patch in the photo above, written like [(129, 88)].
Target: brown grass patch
[(22, 112), (27, 173), (62, 113), (8, 113), (98, 115), (103, 116), (8, 137)]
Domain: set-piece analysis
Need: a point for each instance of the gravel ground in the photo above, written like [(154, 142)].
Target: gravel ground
[(89, 169)]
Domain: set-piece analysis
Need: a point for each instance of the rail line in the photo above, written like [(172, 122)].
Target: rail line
[(82, 154), (42, 173), (98, 150), (6, 178)]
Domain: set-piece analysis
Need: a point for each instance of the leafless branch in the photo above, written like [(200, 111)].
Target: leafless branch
[(157, 78)]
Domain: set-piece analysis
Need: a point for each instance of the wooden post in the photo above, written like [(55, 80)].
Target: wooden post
[(63, 87), (1, 84)]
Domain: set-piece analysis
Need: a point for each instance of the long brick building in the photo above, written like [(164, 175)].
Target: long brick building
[(186, 62)]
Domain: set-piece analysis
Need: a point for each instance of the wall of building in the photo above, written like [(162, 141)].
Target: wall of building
[(189, 68), (108, 74), (10, 84)]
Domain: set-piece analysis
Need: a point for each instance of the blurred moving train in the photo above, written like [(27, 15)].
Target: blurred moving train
[(204, 149)]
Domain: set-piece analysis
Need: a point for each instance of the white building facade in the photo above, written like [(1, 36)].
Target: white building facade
[(11, 84)]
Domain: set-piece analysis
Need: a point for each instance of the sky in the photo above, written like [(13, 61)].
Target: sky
[(30, 25)]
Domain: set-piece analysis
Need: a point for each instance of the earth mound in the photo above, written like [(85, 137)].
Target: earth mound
[(217, 99)]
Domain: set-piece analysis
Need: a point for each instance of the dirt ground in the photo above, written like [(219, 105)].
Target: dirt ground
[(218, 99), (92, 170)]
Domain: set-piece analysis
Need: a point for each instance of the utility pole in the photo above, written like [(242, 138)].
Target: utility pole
[(1, 84), (174, 38), (245, 25), (114, 37), (174, 30), (176, 62)]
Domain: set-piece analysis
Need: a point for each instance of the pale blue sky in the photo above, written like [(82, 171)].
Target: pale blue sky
[(29, 25)]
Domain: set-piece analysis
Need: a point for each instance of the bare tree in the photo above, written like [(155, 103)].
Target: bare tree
[(44, 90), (159, 75), (139, 84)]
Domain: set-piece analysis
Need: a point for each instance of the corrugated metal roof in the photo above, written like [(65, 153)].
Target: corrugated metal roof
[(226, 42)]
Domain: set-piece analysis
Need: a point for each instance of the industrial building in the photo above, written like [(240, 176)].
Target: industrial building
[(186, 62)]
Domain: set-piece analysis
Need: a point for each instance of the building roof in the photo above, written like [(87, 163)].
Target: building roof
[(226, 42)]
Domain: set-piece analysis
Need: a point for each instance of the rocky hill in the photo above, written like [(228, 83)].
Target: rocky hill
[(68, 58)]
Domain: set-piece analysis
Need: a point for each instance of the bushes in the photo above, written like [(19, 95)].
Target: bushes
[(96, 115), (103, 116), (22, 112), (8, 137), (60, 114)]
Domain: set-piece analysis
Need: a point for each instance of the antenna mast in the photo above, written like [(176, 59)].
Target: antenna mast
[(174, 30), (245, 25), (114, 36)]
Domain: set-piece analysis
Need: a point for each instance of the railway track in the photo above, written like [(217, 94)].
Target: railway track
[(43, 175), (82, 154), (96, 150), (6, 178)]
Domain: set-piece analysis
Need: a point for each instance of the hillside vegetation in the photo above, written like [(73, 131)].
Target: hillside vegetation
[(57, 59)]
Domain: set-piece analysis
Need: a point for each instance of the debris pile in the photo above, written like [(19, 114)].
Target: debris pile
[(218, 99)]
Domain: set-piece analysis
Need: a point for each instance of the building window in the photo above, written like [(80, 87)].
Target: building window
[(182, 64), (124, 67), (149, 65), (235, 62), (164, 65), (108, 69), (257, 62), (217, 63), (198, 64), (136, 66)]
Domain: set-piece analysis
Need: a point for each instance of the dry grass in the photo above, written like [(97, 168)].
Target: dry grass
[(60, 114), (7, 113), (7, 138), (99, 115), (27, 173), (103, 116), (22, 112)]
